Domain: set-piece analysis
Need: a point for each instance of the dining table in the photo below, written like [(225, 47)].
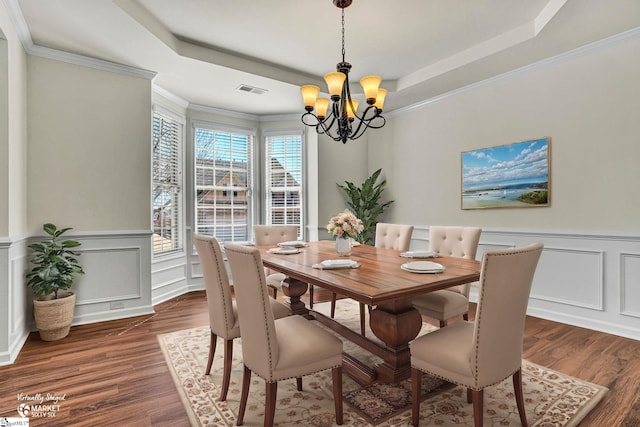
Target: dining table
[(378, 281)]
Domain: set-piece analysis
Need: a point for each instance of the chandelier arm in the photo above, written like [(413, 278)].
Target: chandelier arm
[(370, 122), (305, 116), (363, 126), (364, 123), (322, 128), (363, 120)]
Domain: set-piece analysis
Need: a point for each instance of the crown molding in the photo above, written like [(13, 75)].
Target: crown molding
[(17, 18), (566, 56), (222, 112), (85, 61), (170, 96), (280, 117)]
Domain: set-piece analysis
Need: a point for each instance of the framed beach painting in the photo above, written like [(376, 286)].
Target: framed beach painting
[(507, 176)]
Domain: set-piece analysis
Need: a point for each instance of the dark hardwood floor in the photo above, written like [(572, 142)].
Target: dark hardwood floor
[(114, 373)]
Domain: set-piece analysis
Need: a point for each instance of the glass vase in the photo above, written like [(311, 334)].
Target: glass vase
[(343, 246)]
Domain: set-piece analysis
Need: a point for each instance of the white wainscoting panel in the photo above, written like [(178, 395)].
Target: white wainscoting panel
[(113, 274), (169, 277), (630, 284), (117, 279), (584, 279), (15, 308), (569, 276)]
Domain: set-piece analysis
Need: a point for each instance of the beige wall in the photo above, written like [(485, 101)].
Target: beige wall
[(4, 137), (338, 163), (13, 134), (13, 182), (586, 102), (89, 148)]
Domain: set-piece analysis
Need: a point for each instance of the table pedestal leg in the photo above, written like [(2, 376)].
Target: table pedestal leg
[(294, 289), (395, 323)]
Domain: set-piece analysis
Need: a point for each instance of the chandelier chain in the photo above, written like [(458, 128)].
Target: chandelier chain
[(343, 51)]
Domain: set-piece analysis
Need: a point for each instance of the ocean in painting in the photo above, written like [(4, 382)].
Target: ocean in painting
[(502, 196)]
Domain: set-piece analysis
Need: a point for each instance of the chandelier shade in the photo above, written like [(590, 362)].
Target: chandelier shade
[(370, 86), (338, 118)]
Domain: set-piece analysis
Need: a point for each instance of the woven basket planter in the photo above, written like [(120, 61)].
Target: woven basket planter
[(54, 316)]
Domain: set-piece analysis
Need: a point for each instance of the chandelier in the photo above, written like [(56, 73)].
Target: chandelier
[(343, 121)]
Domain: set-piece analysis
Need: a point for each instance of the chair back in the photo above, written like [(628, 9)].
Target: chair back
[(272, 234), (459, 242), (222, 320), (259, 343), (393, 236), (505, 283)]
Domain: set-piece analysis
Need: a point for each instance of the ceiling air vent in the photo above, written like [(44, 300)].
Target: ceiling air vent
[(251, 89)]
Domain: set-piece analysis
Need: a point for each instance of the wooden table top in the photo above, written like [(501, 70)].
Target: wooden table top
[(379, 277)]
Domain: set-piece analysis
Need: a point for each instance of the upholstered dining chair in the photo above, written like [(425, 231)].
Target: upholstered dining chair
[(290, 347), (442, 305), (482, 353), (272, 235), (388, 236), (223, 315)]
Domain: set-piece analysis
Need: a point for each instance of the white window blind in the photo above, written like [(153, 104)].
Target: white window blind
[(284, 180), (167, 195), (223, 183)]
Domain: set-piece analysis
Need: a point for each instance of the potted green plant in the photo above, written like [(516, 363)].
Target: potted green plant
[(55, 267), (364, 202)]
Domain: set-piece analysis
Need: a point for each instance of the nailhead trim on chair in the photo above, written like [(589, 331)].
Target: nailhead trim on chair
[(226, 303), (302, 375), (464, 385), (263, 289), (264, 313), (481, 297)]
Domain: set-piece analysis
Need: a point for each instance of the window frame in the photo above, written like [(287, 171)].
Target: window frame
[(251, 193), (267, 206), (178, 229)]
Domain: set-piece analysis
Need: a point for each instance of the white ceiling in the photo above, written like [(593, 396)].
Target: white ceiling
[(203, 50)]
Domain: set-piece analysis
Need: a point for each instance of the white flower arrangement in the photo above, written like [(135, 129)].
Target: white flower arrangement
[(345, 225)]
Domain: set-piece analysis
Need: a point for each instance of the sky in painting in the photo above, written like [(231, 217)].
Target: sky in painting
[(519, 163)]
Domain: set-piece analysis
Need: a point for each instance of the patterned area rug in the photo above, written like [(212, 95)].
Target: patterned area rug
[(551, 398)]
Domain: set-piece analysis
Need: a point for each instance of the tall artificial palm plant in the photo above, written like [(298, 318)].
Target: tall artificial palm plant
[(364, 202)]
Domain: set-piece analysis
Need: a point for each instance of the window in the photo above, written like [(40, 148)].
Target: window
[(284, 180), (167, 193), (223, 183)]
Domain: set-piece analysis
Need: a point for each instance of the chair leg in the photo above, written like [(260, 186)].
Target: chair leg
[(469, 398), (336, 374), (275, 292), (270, 404), (310, 295), (362, 320), (226, 375), (465, 317), (299, 383), (246, 382), (477, 396), (333, 304), (517, 388), (416, 383), (212, 350)]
